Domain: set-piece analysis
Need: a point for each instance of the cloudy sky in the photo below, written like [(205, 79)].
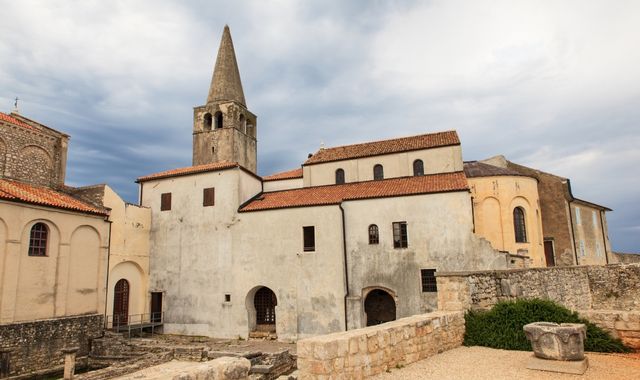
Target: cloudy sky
[(550, 84)]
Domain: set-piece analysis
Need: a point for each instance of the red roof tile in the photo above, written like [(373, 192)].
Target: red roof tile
[(13, 120), (295, 173), (44, 196), (189, 170), (376, 148), (334, 194)]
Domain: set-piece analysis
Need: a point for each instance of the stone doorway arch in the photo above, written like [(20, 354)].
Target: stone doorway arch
[(261, 306), (379, 307)]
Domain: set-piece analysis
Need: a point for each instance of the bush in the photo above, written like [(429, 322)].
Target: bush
[(501, 327)]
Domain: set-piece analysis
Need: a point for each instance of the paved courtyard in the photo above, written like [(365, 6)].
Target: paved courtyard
[(479, 363)]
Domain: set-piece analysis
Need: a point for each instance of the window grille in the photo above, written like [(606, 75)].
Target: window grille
[(429, 283), (374, 237), (400, 238), (38, 240)]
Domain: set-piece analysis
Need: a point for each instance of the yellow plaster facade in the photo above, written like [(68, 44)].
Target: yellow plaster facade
[(68, 281), (494, 200)]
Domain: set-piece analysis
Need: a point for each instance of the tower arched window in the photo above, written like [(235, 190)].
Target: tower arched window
[(339, 177), (418, 168), (38, 240), (218, 116), (208, 121), (243, 124), (374, 237), (378, 172), (519, 225)]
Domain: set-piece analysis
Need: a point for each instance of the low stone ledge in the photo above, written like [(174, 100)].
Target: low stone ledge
[(372, 350)]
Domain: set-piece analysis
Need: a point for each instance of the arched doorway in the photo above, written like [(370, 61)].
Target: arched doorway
[(121, 303), (380, 307), (265, 303)]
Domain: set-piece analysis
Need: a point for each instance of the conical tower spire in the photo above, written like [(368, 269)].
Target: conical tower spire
[(226, 84)]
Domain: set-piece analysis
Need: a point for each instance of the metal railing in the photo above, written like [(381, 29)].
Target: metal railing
[(134, 322)]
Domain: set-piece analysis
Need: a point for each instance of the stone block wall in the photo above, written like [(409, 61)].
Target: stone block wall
[(609, 296), (365, 352), (36, 346), (36, 155)]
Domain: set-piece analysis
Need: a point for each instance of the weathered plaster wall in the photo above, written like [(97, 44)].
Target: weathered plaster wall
[(436, 160), (589, 238), (366, 352), (37, 345), (440, 237), (69, 280), (494, 199), (285, 184)]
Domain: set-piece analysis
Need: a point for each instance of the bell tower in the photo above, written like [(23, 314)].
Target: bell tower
[(224, 129)]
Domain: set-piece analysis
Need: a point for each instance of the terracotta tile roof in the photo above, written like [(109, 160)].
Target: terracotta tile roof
[(295, 173), (376, 148), (13, 120), (44, 196), (480, 169), (334, 194), (189, 170)]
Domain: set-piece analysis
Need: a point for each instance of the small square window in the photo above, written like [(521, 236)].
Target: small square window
[(208, 197), (165, 202), (309, 234), (400, 237), (227, 298), (429, 283)]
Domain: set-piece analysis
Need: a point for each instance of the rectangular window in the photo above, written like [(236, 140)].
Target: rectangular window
[(165, 202), (400, 239), (429, 283), (578, 221), (208, 196), (594, 219), (309, 234), (227, 297)]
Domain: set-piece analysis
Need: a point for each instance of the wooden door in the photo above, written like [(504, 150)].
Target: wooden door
[(121, 303), (156, 307), (548, 253)]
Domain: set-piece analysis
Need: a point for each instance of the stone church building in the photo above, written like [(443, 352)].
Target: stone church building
[(352, 238)]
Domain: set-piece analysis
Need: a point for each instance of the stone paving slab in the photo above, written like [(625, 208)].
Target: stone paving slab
[(481, 363)]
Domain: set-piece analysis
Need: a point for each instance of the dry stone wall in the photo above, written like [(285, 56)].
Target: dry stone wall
[(36, 346), (607, 295), (365, 352)]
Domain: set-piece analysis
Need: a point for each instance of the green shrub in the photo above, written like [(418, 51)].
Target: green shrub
[(501, 327)]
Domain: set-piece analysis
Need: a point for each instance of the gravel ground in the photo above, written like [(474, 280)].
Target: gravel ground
[(479, 363)]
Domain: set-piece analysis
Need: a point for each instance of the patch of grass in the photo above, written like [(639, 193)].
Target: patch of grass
[(501, 327)]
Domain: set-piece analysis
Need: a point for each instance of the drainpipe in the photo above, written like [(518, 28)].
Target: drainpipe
[(346, 267), (473, 216), (604, 241)]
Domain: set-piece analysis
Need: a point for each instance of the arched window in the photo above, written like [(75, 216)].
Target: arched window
[(218, 119), (208, 120), (418, 168), (339, 177), (374, 237), (519, 225), (243, 124), (121, 303), (378, 172), (38, 240)]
